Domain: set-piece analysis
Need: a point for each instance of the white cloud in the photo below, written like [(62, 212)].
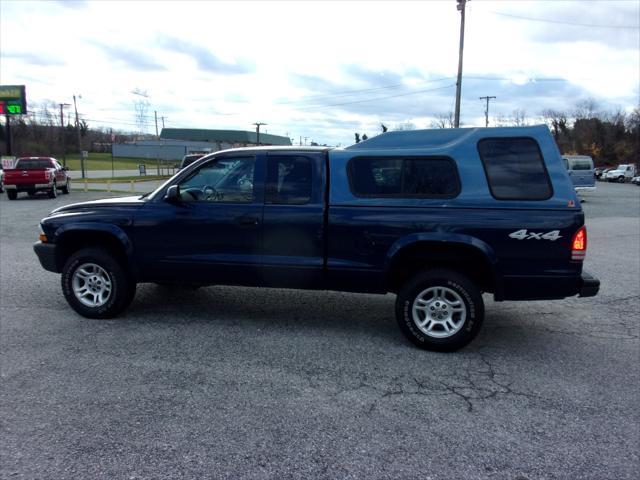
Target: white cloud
[(234, 63)]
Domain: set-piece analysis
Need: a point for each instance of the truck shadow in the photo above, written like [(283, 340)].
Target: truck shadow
[(266, 308), (337, 314)]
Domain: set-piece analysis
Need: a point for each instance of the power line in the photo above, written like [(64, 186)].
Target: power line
[(378, 98), (560, 22), (356, 92)]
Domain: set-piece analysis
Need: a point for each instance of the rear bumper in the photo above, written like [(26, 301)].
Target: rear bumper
[(48, 255), (29, 187), (589, 285), (547, 287)]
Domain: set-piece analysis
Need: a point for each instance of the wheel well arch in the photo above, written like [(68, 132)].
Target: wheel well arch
[(71, 241), (466, 259)]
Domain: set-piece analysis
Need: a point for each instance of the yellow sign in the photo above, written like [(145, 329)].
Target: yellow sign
[(11, 92), (13, 100)]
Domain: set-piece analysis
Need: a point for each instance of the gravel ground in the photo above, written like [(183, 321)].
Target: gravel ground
[(257, 383)]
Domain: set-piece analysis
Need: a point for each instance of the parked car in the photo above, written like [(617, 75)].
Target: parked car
[(598, 172), (636, 181), (436, 217), (36, 174), (622, 173), (581, 172), (604, 173)]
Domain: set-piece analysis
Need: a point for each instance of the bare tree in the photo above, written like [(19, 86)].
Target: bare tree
[(519, 118), (405, 126), (586, 109), (443, 120)]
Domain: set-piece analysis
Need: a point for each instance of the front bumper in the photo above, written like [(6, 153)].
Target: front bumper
[(48, 255), (589, 285)]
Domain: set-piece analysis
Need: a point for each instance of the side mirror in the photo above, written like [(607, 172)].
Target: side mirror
[(173, 194), (66, 169)]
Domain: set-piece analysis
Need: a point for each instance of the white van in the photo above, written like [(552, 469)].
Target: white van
[(581, 171)]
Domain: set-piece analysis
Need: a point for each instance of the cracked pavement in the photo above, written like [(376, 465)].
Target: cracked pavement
[(256, 383)]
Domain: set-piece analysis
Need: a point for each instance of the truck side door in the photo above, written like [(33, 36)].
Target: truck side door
[(213, 234), (61, 174), (294, 220)]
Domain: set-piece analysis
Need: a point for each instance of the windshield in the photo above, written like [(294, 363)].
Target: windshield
[(33, 164)]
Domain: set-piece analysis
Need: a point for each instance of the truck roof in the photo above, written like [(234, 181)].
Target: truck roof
[(410, 139), (441, 137)]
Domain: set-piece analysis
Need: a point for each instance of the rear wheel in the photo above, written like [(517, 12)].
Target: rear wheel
[(96, 284), (440, 310), (12, 194)]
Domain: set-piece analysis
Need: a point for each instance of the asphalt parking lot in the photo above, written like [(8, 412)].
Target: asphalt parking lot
[(255, 383)]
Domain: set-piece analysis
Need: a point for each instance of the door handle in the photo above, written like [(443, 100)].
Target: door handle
[(247, 220)]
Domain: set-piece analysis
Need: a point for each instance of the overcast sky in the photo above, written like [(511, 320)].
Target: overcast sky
[(321, 70)]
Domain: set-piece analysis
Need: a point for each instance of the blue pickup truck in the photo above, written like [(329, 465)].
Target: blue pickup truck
[(437, 217)]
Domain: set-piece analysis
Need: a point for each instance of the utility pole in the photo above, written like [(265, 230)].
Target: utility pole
[(155, 114), (9, 152), (64, 148), (75, 106), (486, 112), (258, 124), (460, 7), (162, 118)]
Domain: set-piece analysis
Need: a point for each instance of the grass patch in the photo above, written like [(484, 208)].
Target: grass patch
[(137, 178), (102, 161)]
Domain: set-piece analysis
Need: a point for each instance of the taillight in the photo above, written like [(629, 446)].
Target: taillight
[(579, 244)]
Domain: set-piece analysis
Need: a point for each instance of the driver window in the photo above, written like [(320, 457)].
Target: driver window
[(226, 180)]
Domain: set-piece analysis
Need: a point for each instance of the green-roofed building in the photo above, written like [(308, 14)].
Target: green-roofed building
[(234, 138)]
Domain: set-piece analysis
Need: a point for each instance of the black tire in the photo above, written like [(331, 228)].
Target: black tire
[(67, 187), (122, 289), (12, 194), (53, 193), (458, 293)]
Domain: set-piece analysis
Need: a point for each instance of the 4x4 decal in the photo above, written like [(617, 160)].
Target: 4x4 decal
[(525, 235)]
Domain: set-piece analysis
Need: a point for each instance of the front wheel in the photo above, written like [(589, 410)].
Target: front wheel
[(53, 193), (67, 187), (96, 285), (440, 310)]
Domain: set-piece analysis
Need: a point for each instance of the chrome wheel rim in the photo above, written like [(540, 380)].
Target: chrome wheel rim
[(91, 285), (439, 312)]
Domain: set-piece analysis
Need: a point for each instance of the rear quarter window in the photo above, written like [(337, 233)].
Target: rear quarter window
[(515, 169), (401, 177), (580, 164)]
